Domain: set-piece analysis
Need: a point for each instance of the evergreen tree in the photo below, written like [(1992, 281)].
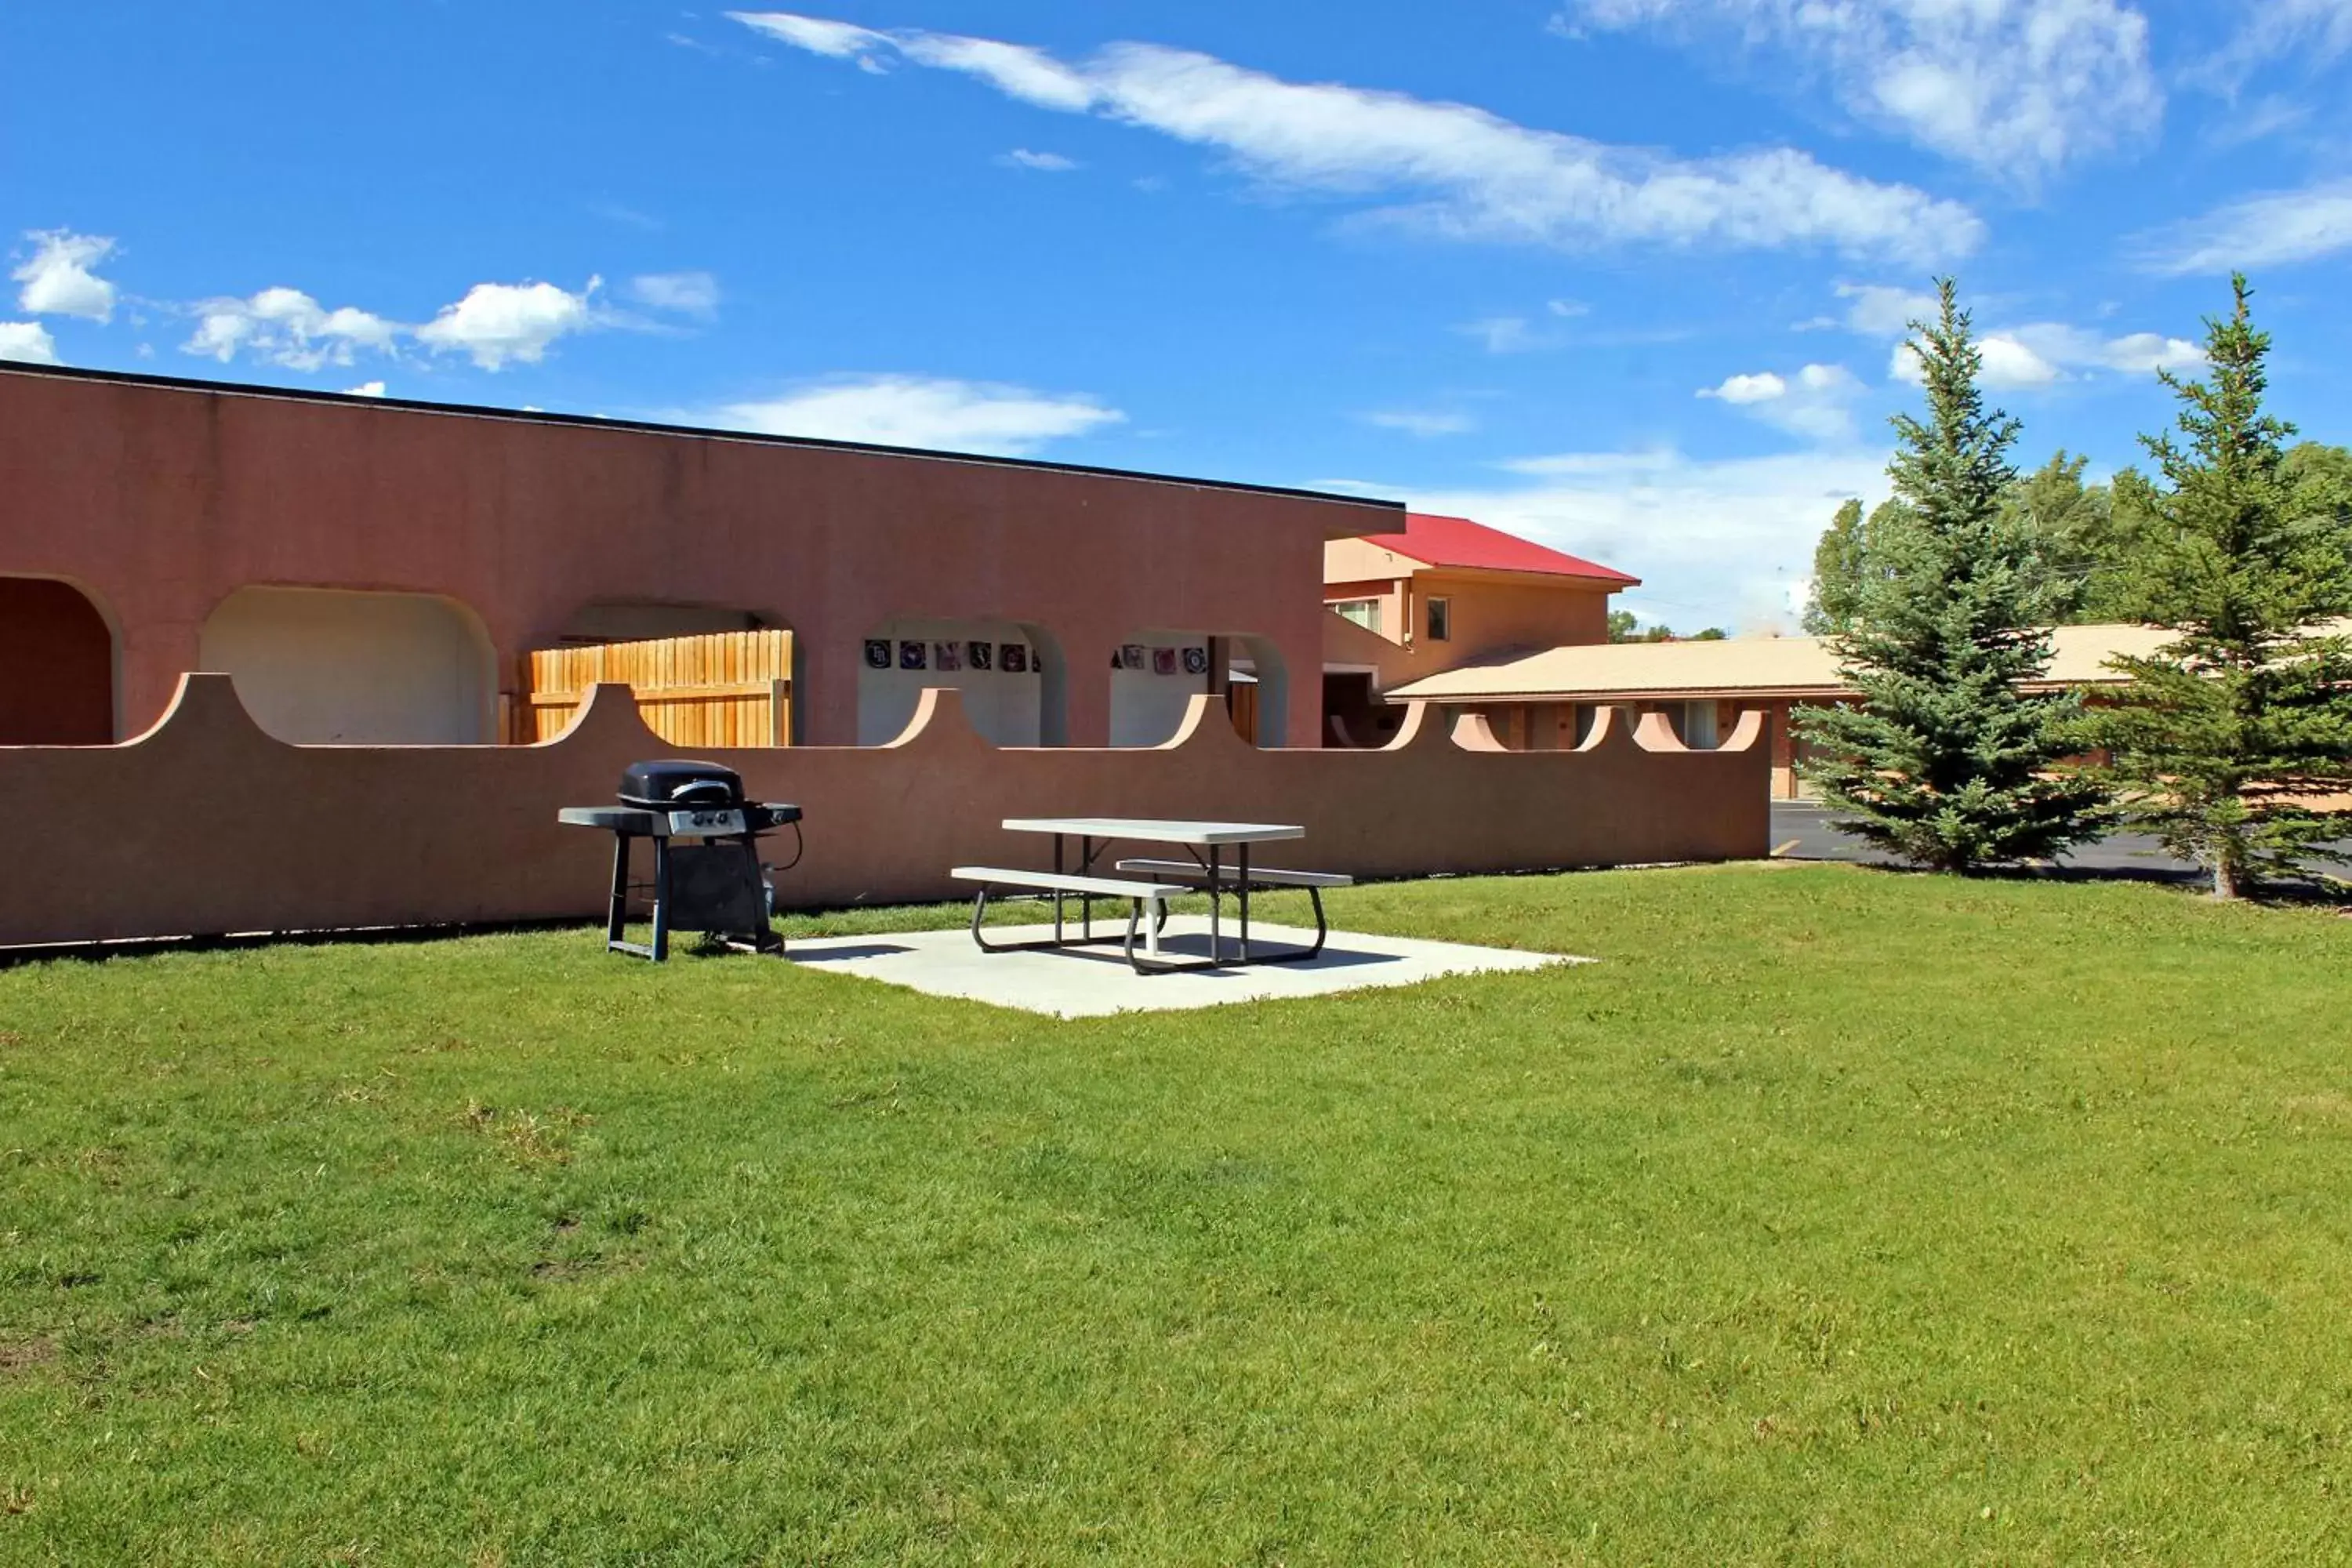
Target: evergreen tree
[(2318, 480), (1945, 759), (2228, 732)]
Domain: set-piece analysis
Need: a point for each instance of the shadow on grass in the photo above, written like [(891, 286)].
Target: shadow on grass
[(2315, 891)]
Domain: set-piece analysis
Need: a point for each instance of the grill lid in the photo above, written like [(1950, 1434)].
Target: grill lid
[(677, 784)]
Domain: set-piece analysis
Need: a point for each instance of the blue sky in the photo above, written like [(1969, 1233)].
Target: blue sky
[(1627, 276)]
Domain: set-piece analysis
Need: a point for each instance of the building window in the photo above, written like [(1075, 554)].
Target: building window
[(1365, 613), (1698, 726), (1441, 620)]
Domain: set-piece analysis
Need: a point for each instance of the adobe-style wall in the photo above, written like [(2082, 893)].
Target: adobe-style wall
[(207, 825), (163, 500)]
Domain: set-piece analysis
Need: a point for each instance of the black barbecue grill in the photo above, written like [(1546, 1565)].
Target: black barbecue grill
[(708, 876)]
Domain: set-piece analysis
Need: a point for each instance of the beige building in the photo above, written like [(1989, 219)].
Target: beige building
[(1442, 593), (1547, 699)]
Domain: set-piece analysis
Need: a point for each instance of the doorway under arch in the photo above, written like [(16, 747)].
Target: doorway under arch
[(56, 666)]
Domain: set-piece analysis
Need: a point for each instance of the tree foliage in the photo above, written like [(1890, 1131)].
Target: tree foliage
[(2092, 536), (2227, 735), (1947, 760), (1626, 627)]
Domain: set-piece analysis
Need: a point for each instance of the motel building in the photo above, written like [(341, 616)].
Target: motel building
[(380, 573), (373, 571), (1550, 696), (373, 648)]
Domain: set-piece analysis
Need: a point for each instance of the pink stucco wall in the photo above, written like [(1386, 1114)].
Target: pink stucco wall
[(208, 826), (161, 501)]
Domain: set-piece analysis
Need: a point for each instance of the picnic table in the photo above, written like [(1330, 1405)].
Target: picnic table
[(1205, 867)]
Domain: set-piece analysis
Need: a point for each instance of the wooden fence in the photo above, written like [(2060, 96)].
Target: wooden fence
[(717, 689)]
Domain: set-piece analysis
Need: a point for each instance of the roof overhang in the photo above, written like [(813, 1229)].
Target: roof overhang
[(1610, 582), (1407, 692)]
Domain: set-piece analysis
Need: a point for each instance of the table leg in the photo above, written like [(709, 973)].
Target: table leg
[(1085, 900), (1245, 898), (1217, 893), (1057, 895)]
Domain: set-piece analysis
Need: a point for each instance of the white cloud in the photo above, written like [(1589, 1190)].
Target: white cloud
[(1758, 388), (1879, 312), (923, 411), (1446, 169), (1717, 542), (500, 323), (2018, 88), (366, 389), (2276, 229), (2010, 365), (1044, 162), (286, 326), (58, 280), (2017, 357), (2314, 32), (1418, 423), (837, 41), (28, 342), (1815, 402), (2146, 352), (2073, 348), (683, 293), (1030, 75)]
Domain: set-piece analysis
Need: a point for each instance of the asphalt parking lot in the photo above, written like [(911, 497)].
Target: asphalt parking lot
[(1801, 831)]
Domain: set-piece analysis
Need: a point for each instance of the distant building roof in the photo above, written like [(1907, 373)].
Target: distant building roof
[(1728, 667), (1463, 545)]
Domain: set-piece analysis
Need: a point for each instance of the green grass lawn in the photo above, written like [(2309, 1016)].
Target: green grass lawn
[(1838, 1216)]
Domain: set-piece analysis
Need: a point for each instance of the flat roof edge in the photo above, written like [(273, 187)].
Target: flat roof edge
[(699, 432)]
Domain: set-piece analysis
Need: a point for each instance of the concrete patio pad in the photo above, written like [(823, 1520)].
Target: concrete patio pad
[(1091, 982)]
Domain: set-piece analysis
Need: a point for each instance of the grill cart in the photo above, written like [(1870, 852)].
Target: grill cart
[(708, 876)]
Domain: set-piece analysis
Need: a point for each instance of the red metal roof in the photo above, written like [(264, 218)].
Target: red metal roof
[(1457, 542)]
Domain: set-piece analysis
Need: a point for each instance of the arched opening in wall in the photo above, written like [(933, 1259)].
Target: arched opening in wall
[(1354, 716), (1155, 675), (56, 666), (1013, 680), (621, 620), (342, 667), (1698, 724), (704, 675)]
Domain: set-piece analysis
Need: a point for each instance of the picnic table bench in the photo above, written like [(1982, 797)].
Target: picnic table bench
[(1206, 872)]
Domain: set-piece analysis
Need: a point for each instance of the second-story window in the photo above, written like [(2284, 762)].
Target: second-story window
[(1365, 613), (1441, 620)]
